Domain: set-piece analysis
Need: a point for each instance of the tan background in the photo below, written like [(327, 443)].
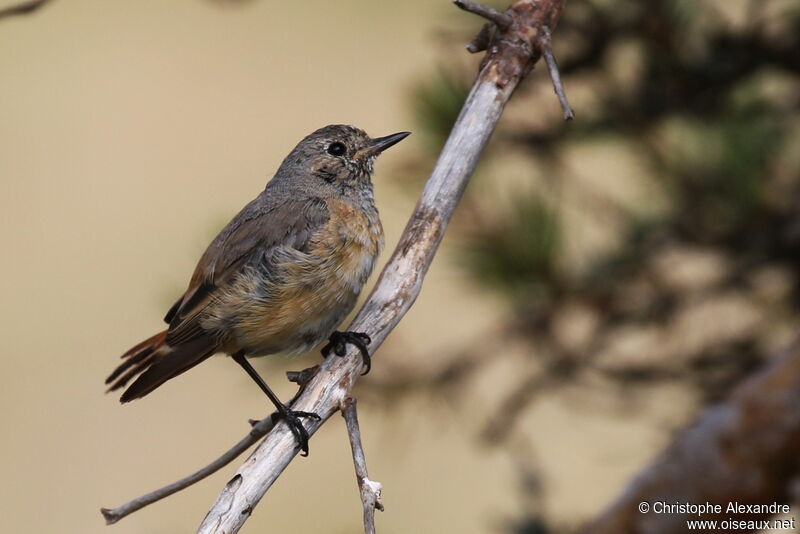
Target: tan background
[(130, 131)]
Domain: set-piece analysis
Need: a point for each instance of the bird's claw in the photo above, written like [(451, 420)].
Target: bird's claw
[(294, 423), (338, 344)]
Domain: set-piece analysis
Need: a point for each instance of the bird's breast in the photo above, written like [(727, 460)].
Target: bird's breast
[(353, 237), (298, 298)]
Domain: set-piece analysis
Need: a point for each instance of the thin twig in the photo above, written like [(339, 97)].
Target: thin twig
[(369, 490), (24, 8), (502, 20), (555, 76), (259, 430)]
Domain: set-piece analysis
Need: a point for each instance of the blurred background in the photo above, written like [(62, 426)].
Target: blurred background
[(606, 284)]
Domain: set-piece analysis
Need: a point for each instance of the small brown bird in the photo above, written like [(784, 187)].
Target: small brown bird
[(281, 275)]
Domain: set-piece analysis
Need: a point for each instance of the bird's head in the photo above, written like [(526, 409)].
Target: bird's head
[(338, 154)]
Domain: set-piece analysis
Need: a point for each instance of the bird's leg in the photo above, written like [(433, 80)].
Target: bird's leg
[(291, 417), (338, 344)]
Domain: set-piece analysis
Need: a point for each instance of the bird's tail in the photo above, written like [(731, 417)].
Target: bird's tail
[(137, 359), (155, 362)]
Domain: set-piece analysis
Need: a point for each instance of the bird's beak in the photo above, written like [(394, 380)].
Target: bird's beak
[(380, 144)]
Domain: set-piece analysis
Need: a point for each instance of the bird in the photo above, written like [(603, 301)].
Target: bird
[(281, 275)]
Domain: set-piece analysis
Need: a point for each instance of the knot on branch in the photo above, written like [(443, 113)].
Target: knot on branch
[(371, 493), (301, 378), (515, 39)]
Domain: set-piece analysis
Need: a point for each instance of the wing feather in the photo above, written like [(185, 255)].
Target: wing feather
[(255, 230)]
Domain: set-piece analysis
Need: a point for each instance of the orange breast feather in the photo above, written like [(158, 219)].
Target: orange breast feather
[(314, 291)]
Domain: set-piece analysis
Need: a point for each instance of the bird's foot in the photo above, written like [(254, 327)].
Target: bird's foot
[(338, 344), (294, 423)]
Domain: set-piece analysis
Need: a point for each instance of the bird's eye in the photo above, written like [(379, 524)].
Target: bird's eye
[(336, 149)]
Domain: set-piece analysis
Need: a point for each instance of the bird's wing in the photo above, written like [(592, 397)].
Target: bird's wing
[(257, 228)]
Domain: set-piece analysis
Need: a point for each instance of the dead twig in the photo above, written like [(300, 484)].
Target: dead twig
[(259, 430), (555, 76), (369, 490), (502, 26), (502, 20)]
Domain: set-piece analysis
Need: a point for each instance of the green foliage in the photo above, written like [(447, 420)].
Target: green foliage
[(693, 113), (436, 106), (520, 255), (719, 168)]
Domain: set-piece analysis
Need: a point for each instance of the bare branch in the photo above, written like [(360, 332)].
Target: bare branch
[(369, 490), (24, 8), (259, 430), (555, 76), (510, 58), (502, 20)]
